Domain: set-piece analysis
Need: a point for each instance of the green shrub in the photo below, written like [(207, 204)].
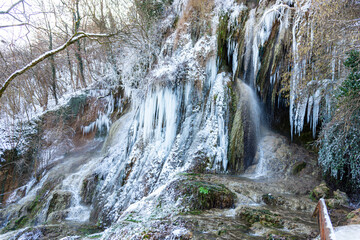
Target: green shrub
[(339, 154)]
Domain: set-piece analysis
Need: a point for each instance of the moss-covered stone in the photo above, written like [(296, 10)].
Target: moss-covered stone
[(339, 199), (88, 188), (201, 195), (272, 200), (298, 167), (262, 216), (243, 135), (353, 217), (58, 203), (321, 191), (222, 34)]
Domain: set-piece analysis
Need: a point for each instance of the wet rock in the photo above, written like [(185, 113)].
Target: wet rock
[(60, 201), (272, 200), (341, 197), (353, 217), (59, 231), (88, 189), (201, 195), (244, 128), (321, 191), (262, 216), (57, 217)]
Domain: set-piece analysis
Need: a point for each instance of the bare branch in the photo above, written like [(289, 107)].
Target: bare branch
[(77, 36), (11, 7), (14, 25)]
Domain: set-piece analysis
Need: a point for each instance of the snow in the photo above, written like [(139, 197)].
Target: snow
[(348, 232)]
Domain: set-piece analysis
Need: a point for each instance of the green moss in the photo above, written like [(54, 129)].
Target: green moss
[(350, 215), (222, 33), (89, 230), (193, 212), (298, 167), (133, 220), (95, 236), (189, 174)]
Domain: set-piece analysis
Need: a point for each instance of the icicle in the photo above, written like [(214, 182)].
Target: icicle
[(310, 105), (211, 70), (294, 78), (316, 109), (158, 116)]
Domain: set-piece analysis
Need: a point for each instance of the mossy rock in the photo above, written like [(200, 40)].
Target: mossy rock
[(262, 216), (339, 199), (88, 189), (321, 191), (272, 200), (298, 167), (59, 201), (353, 217), (201, 195)]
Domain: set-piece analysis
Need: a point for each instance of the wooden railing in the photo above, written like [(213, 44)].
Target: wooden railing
[(326, 228)]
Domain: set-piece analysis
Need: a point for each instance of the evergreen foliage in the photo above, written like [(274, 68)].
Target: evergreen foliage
[(339, 153)]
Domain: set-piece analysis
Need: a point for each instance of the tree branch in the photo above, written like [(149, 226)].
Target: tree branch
[(11, 7), (75, 37)]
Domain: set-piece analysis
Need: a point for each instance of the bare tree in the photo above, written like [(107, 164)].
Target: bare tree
[(73, 39)]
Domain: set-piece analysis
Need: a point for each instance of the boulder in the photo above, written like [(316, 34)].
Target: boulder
[(201, 195), (272, 200), (60, 201), (321, 191), (353, 217), (262, 216), (339, 199), (88, 189)]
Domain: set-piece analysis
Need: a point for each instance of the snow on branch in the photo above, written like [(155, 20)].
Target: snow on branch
[(77, 36), (11, 7)]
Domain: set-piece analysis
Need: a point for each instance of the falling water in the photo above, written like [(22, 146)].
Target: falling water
[(252, 119)]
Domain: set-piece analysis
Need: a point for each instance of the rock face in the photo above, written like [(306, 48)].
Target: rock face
[(88, 189), (59, 202), (245, 128)]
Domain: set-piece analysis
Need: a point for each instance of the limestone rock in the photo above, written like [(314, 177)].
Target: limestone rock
[(353, 217), (59, 202), (272, 200), (339, 199), (201, 195), (321, 191)]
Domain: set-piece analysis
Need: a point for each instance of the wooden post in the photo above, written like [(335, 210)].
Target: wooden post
[(325, 225)]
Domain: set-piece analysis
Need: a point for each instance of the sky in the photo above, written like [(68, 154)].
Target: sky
[(18, 15), (29, 10)]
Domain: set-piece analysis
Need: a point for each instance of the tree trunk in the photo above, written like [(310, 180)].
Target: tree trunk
[(53, 70)]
